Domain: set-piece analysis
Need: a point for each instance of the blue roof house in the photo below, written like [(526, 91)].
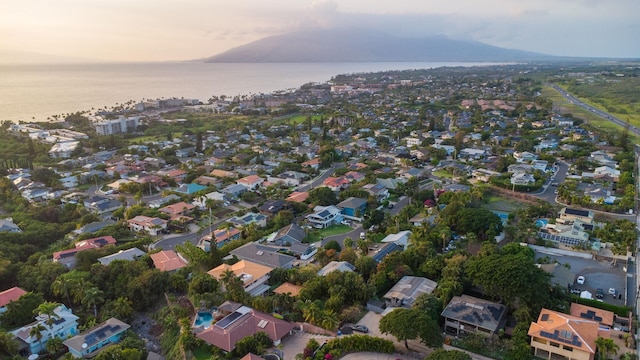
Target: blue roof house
[(88, 343), (353, 207)]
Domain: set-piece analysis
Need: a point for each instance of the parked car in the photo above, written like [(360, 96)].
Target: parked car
[(576, 291), (599, 293), (580, 280), (360, 328), (612, 291)]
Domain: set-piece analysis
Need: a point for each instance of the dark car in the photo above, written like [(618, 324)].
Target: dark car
[(600, 293)]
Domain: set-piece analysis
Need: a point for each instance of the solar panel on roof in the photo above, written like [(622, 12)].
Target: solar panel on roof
[(225, 322)]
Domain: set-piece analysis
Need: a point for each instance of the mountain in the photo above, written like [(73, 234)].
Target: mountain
[(366, 46)]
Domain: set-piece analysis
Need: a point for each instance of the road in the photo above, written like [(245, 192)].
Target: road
[(321, 178), (594, 110)]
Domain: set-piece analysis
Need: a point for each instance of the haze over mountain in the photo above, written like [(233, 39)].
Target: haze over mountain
[(348, 45)]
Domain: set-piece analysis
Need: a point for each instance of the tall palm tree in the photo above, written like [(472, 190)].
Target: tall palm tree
[(61, 287), (48, 309), (92, 297), (122, 308), (36, 332)]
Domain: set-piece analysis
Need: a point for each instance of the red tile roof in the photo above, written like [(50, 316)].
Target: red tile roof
[(10, 295), (94, 243), (248, 322), (167, 260)]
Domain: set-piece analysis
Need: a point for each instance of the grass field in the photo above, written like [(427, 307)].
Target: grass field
[(564, 106), (443, 174), (297, 118), (498, 203), (334, 230)]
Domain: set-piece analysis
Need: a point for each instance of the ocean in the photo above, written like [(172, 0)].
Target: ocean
[(38, 92)]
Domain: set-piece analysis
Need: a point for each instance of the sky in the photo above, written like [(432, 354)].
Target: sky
[(152, 30)]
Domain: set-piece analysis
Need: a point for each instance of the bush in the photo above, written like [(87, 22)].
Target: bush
[(355, 343)]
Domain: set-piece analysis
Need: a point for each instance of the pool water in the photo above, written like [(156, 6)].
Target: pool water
[(203, 319), (541, 222), (504, 216)]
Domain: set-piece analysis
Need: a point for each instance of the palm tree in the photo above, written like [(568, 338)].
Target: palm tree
[(36, 332), (606, 347), (122, 308), (92, 297), (48, 309), (61, 287), (7, 344), (54, 345)]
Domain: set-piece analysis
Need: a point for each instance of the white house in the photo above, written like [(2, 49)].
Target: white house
[(7, 225), (152, 226), (65, 324), (401, 238), (324, 216), (525, 156), (250, 182), (69, 182)]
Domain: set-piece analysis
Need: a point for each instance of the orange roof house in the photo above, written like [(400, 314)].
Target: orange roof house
[(558, 335), (288, 288), (298, 196), (8, 296), (168, 260), (254, 276), (603, 317), (68, 257)]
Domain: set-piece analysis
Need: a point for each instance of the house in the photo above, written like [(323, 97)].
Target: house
[(336, 183), (104, 206), (522, 179), (248, 218), (87, 344), (178, 210), (324, 216), (569, 215), (254, 276), (155, 204), (603, 317), (466, 314), (483, 175), (250, 182), (288, 235), (201, 201), (189, 189), (8, 296), (243, 322), (168, 260), (93, 227), (298, 196), (222, 173), (401, 238), (379, 251), (263, 255), (68, 257), (405, 292), (378, 190), (332, 266), (288, 289), (178, 175), (65, 324), (313, 163), (234, 190), (602, 158), (186, 152), (69, 182), (472, 154), (353, 207), (221, 237), (7, 225), (524, 157), (124, 255), (540, 165), (568, 234), (206, 180), (560, 336), (272, 207), (152, 226)]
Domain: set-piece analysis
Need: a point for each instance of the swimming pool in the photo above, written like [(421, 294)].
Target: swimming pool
[(541, 222), (203, 319), (504, 216)]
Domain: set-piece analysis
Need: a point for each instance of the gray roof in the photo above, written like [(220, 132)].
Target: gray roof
[(291, 233), (127, 255), (8, 225), (352, 203), (409, 288), (263, 255), (342, 266), (97, 334), (479, 312)]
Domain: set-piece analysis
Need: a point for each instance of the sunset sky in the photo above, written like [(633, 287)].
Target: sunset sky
[(152, 30)]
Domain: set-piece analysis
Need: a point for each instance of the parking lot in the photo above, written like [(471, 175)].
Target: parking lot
[(598, 275)]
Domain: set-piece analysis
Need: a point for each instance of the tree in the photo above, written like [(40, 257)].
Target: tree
[(322, 196), (7, 344), (36, 332), (442, 354), (93, 296), (61, 286), (20, 312), (606, 347), (48, 309), (396, 324), (256, 343), (54, 345)]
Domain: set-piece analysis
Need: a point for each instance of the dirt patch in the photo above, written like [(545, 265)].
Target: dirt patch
[(148, 330)]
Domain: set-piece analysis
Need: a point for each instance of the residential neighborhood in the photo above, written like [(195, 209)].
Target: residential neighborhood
[(393, 212)]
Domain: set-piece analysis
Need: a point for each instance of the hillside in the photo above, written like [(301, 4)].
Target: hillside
[(362, 46)]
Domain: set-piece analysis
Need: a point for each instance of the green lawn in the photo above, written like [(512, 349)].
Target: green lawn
[(334, 230), (443, 174)]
